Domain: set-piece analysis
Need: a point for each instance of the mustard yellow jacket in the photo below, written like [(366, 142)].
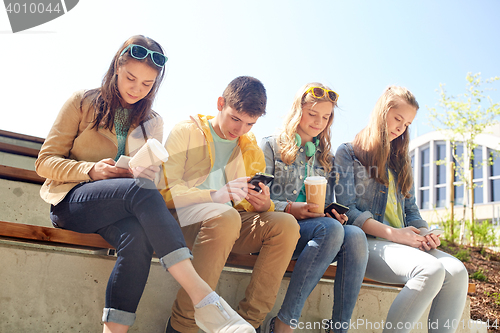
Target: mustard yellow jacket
[(191, 151), (72, 147)]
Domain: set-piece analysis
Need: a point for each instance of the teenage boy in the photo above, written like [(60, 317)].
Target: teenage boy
[(210, 162)]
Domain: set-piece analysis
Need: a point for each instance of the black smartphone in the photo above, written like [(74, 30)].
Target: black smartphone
[(260, 177), (341, 209)]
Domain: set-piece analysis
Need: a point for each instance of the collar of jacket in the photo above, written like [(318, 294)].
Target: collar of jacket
[(245, 141)]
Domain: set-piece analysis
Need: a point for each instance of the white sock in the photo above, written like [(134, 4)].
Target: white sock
[(209, 299)]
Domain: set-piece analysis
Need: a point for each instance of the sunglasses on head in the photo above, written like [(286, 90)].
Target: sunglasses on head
[(140, 52), (319, 92)]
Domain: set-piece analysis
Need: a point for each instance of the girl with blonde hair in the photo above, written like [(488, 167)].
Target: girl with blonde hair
[(302, 149), (375, 182)]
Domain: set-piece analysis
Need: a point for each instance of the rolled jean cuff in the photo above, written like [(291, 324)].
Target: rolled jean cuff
[(118, 316), (175, 257)]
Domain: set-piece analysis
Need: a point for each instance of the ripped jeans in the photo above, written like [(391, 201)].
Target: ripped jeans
[(324, 240)]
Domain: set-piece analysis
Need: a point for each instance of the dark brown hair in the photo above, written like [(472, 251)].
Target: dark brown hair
[(106, 99), (246, 94)]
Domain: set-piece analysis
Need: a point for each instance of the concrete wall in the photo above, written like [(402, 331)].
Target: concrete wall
[(59, 289), (21, 202)]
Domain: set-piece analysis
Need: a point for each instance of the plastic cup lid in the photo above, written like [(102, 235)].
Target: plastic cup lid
[(157, 148), (315, 180)]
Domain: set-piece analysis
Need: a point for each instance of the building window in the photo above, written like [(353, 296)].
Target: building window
[(441, 196), (440, 175), (458, 160), (424, 199), (477, 174), (424, 158), (424, 178), (494, 174), (459, 195), (441, 163)]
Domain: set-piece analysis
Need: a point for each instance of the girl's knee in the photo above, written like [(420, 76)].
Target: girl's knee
[(458, 275), (434, 270), (333, 230), (128, 236)]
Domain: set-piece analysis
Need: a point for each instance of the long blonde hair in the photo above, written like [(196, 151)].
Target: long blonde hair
[(287, 141), (373, 147)]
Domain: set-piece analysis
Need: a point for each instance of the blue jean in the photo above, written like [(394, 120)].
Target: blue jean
[(132, 216), (324, 240), (432, 277)]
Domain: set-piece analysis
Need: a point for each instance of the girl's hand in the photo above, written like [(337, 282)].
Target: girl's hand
[(431, 242), (407, 236), (342, 218), (235, 190), (106, 169), (261, 201), (149, 172), (300, 210)]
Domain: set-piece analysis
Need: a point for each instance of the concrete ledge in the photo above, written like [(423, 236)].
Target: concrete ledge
[(56, 288)]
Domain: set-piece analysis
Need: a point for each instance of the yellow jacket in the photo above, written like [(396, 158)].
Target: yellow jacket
[(190, 147), (72, 147)]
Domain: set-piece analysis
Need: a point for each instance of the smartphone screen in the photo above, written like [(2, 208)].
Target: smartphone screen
[(341, 209), (260, 178)]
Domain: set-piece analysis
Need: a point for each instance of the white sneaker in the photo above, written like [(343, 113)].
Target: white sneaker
[(219, 317)]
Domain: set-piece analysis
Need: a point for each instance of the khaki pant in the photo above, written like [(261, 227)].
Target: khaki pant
[(223, 230)]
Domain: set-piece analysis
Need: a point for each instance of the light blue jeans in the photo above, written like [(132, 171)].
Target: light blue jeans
[(429, 277), (324, 240)]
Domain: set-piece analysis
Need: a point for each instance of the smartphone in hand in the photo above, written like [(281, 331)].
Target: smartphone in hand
[(436, 232), (341, 209), (260, 177), (123, 162)]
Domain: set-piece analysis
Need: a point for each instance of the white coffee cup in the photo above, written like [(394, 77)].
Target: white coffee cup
[(316, 192), (151, 153)]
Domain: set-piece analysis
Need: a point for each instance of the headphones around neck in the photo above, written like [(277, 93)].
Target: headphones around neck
[(310, 147)]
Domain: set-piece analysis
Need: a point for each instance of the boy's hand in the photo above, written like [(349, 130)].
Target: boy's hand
[(261, 201), (235, 190)]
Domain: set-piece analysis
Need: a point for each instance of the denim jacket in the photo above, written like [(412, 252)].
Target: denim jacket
[(288, 179), (365, 197)]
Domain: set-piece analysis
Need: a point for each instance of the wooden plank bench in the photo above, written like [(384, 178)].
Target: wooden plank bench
[(55, 236)]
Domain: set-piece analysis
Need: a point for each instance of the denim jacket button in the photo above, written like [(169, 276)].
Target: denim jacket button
[(285, 167), (301, 162), (294, 192), (300, 177), (301, 150)]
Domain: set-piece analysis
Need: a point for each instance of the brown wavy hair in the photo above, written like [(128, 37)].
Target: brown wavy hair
[(373, 147), (106, 99), (287, 143)]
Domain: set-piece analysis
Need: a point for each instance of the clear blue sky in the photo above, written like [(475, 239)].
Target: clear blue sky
[(356, 47)]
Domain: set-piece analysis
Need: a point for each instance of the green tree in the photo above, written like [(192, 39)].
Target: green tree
[(462, 118)]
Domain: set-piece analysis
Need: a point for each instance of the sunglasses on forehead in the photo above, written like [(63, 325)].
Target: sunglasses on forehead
[(319, 92), (140, 52)]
